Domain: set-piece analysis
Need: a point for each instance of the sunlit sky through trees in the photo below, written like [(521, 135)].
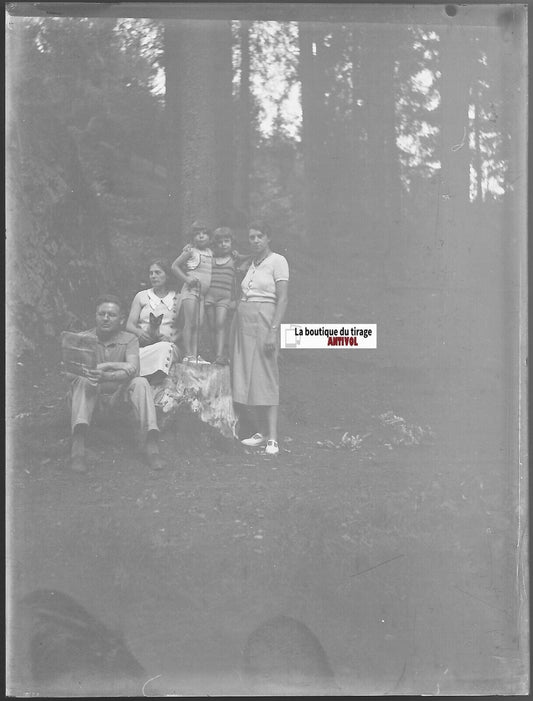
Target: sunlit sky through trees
[(277, 92), (275, 85)]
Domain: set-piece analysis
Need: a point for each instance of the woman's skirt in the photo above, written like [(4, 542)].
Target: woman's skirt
[(255, 374), (158, 356)]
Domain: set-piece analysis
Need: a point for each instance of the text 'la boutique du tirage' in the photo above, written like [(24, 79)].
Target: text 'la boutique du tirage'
[(328, 335)]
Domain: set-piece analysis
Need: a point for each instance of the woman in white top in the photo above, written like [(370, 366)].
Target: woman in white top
[(151, 319), (255, 337)]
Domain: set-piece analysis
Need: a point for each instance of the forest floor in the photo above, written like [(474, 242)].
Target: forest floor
[(394, 550)]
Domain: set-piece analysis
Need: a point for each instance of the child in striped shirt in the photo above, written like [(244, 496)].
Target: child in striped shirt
[(221, 292)]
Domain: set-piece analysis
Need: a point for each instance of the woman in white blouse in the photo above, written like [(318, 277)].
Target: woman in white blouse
[(255, 337), (158, 351)]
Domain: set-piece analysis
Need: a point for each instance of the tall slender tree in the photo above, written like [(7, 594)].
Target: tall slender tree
[(377, 205), (222, 86), (244, 122), (455, 83), (172, 59), (312, 78), (454, 152), (355, 121)]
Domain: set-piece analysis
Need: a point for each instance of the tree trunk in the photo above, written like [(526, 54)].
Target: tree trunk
[(455, 128), (356, 113), (172, 125), (244, 121), (381, 170), (222, 87), (198, 84), (312, 80), (478, 156), (453, 230)]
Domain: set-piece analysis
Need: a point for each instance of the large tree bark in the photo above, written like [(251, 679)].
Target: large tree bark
[(222, 86), (198, 84)]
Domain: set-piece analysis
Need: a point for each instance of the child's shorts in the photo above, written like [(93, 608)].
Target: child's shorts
[(192, 292), (218, 299)]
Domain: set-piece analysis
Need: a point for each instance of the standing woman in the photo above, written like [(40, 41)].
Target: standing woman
[(255, 337), (157, 350)]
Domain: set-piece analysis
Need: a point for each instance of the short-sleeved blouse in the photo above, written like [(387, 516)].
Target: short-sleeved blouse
[(259, 283), (151, 303)]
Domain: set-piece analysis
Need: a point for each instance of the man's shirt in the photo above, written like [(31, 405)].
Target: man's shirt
[(123, 347)]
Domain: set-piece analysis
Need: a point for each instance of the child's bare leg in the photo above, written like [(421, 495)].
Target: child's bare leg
[(198, 323), (221, 315), (211, 322), (202, 311), (189, 326)]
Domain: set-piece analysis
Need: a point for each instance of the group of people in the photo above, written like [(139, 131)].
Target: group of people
[(137, 353)]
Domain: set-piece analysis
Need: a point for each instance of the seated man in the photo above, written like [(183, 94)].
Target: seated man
[(114, 381)]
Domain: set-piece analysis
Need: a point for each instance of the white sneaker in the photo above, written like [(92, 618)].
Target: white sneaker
[(272, 448), (200, 361), (256, 440)]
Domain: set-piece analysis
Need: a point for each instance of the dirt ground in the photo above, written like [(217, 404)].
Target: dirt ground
[(399, 554)]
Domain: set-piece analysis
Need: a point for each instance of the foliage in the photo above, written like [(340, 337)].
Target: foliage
[(104, 79), (97, 76), (57, 239), (274, 77), (416, 104), (380, 114)]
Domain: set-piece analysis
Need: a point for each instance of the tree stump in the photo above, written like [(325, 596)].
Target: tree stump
[(206, 391)]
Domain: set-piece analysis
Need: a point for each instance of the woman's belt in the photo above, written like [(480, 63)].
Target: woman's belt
[(258, 299)]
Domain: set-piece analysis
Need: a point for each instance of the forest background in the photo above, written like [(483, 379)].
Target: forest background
[(381, 143)]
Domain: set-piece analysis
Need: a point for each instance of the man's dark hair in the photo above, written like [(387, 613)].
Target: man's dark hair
[(110, 299)]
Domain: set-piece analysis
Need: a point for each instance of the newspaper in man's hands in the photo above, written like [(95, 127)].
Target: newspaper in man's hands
[(78, 352)]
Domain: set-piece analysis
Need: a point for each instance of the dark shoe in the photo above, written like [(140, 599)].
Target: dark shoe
[(78, 464)]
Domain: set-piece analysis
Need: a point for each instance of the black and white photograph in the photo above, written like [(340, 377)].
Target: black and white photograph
[(266, 349)]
